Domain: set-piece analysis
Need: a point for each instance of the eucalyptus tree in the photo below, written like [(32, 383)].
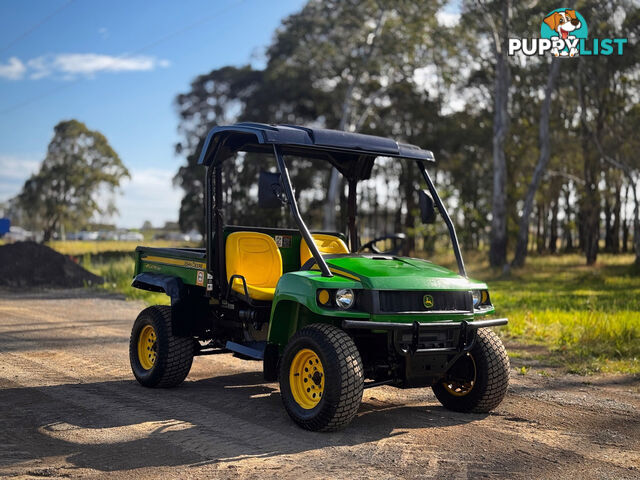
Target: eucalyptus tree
[(79, 169)]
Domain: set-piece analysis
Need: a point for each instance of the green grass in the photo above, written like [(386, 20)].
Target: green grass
[(588, 318), (118, 275)]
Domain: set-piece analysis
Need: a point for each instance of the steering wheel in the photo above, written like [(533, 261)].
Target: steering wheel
[(398, 241)]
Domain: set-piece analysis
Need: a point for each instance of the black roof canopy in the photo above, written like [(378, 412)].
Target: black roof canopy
[(351, 153)]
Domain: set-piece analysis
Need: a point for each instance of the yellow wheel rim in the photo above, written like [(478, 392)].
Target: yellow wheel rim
[(306, 379), (460, 389), (147, 347)]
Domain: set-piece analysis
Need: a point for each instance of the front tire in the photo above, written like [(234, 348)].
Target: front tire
[(478, 381), (321, 378), (157, 357)]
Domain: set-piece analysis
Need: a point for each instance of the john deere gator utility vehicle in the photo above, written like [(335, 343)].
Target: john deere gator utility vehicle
[(326, 315)]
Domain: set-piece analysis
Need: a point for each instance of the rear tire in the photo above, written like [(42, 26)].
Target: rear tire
[(321, 378), (157, 357), (478, 381)]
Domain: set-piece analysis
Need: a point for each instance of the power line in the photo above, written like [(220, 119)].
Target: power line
[(35, 27), (156, 42)]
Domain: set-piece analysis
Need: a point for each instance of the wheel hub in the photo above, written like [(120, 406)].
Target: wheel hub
[(147, 347), (461, 385), (306, 378)]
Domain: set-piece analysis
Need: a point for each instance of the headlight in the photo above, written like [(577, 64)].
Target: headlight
[(345, 298), (477, 297)]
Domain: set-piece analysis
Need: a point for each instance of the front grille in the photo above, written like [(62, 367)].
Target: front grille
[(413, 301)]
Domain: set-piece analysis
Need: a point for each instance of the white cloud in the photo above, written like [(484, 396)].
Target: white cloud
[(71, 65), (148, 195), (13, 70), (15, 170), (38, 68), (91, 63)]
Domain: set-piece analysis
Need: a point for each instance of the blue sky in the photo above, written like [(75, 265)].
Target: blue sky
[(101, 63)]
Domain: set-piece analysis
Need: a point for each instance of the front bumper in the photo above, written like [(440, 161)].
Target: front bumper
[(428, 337)]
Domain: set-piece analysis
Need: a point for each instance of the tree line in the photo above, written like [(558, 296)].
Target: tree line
[(534, 153)]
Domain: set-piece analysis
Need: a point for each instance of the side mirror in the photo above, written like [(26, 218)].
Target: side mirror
[(270, 192), (427, 207)]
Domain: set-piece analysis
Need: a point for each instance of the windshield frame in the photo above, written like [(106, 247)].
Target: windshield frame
[(352, 213)]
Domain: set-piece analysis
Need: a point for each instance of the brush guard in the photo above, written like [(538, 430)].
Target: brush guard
[(429, 337)]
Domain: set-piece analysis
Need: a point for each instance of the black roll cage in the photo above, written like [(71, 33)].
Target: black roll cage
[(215, 152)]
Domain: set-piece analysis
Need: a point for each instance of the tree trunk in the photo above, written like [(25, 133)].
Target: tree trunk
[(590, 204), (498, 240), (498, 246), (553, 228), (590, 208), (540, 237), (342, 224), (568, 234), (636, 223), (625, 221), (608, 225), (409, 221), (541, 166), (615, 228)]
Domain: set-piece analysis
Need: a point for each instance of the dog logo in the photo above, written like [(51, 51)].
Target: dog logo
[(427, 301), (563, 32), (564, 28)]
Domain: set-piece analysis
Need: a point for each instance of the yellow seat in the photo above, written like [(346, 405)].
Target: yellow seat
[(327, 244), (256, 257)]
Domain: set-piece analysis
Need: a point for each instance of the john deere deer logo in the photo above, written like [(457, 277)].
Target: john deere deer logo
[(427, 300)]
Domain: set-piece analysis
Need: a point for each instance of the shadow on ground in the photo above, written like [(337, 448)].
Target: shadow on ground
[(118, 425)]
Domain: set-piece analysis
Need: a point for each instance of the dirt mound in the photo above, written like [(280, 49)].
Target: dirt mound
[(30, 264)]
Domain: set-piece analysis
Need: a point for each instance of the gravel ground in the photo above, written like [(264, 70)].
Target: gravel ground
[(71, 408)]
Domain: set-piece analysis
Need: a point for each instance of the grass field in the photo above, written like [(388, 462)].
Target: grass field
[(587, 318), (583, 319), (117, 276)]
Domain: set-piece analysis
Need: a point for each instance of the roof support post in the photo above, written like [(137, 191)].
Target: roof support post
[(288, 190), (445, 216), (209, 221), (353, 212), (215, 226)]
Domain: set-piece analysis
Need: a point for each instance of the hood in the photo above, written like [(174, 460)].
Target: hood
[(384, 272)]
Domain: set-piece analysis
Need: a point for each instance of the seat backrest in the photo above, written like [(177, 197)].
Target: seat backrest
[(255, 256), (327, 244)]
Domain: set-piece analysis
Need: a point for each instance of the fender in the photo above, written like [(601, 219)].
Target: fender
[(155, 282), (189, 309)]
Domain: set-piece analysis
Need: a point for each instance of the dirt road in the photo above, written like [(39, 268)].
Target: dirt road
[(71, 408)]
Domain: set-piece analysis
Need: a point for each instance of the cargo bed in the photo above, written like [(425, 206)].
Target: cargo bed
[(188, 264)]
